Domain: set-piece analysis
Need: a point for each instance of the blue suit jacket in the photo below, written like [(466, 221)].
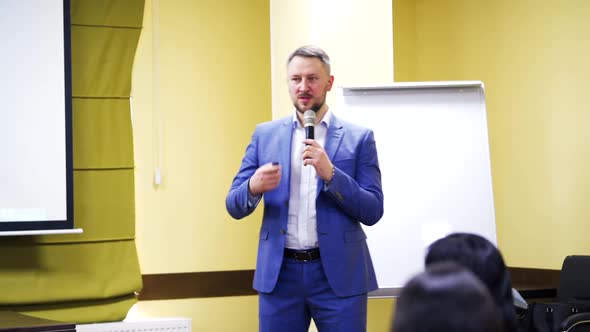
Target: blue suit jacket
[(354, 197)]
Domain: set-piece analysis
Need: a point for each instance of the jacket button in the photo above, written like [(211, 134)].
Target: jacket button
[(283, 231)]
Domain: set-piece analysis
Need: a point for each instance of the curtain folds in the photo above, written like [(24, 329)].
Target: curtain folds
[(89, 277)]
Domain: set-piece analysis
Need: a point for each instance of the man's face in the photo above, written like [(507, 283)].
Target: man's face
[(308, 83)]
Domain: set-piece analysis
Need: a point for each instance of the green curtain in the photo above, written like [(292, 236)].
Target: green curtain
[(94, 276)]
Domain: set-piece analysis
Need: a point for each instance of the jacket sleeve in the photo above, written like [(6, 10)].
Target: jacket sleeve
[(360, 196), (236, 201)]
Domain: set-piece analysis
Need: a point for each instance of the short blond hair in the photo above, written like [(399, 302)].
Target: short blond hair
[(310, 51)]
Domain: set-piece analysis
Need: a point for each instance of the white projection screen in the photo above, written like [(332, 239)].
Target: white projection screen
[(36, 187)]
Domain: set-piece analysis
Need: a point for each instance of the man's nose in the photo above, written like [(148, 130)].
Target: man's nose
[(303, 85)]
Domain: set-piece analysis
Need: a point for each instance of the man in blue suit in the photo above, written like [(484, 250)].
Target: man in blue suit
[(313, 260)]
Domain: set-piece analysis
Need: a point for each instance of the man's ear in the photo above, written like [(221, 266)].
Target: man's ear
[(330, 82)]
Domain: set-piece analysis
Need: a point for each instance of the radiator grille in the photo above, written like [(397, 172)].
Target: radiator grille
[(145, 325)]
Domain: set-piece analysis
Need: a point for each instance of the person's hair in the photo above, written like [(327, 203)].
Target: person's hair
[(445, 297), (481, 257), (310, 51)]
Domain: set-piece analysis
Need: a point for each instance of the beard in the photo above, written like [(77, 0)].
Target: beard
[(314, 107)]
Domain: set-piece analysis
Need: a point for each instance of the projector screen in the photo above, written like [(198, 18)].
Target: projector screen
[(35, 117)]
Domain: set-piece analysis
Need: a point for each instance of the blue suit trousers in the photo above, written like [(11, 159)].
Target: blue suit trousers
[(303, 293)]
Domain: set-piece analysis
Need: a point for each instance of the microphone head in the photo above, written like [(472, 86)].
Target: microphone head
[(309, 118)]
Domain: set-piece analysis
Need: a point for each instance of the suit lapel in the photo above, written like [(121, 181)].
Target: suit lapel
[(333, 140), (333, 137), (285, 136)]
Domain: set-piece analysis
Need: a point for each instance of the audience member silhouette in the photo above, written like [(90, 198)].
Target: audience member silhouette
[(446, 297), (483, 259)]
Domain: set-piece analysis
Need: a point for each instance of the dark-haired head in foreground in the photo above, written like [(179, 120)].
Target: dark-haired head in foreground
[(481, 257), (446, 297)]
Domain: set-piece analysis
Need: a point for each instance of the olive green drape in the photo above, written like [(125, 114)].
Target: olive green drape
[(94, 276)]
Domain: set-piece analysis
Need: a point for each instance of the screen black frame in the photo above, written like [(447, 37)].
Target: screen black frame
[(34, 225)]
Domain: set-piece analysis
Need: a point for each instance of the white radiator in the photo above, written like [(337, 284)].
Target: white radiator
[(144, 325)]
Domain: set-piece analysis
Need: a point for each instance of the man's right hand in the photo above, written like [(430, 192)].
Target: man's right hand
[(267, 177)]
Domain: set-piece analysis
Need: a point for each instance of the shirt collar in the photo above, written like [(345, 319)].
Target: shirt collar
[(325, 120)]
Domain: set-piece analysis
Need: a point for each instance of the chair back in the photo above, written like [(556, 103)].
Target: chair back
[(574, 280)]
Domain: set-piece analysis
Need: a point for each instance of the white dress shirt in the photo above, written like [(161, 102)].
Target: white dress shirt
[(302, 222)]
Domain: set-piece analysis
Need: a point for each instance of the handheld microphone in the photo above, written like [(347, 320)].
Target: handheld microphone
[(309, 123)]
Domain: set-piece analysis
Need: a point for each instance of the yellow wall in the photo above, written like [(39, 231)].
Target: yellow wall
[(404, 39), (533, 58), (356, 34), (218, 314), (197, 95), (201, 82), (201, 87)]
